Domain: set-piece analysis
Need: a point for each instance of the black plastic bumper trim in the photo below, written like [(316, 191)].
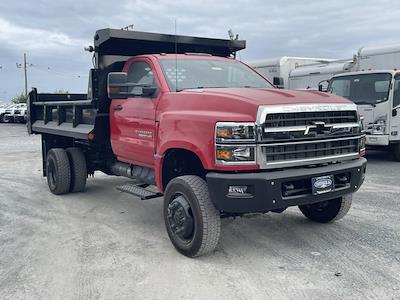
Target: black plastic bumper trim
[(265, 187)]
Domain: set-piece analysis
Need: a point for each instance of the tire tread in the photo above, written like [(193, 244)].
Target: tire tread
[(78, 169), (210, 215), (64, 170)]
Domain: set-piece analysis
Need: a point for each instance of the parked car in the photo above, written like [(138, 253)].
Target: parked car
[(8, 111), (20, 113), (188, 122), (14, 113), (2, 111)]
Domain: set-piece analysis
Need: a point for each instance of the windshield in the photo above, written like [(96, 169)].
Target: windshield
[(362, 88), (184, 74)]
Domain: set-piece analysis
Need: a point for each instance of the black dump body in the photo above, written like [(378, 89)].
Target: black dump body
[(77, 115)]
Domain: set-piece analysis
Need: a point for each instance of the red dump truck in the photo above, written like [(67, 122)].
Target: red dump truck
[(187, 122)]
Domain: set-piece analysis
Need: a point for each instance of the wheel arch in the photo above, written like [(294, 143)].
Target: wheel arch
[(178, 162)]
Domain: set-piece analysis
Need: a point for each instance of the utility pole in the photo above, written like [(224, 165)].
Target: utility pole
[(26, 77), (25, 65)]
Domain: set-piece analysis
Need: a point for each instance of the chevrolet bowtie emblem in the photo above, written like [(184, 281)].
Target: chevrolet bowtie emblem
[(315, 124)]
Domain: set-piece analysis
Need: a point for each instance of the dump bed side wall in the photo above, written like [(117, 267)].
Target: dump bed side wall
[(70, 115)]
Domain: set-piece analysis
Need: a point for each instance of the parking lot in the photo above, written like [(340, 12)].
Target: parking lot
[(105, 244)]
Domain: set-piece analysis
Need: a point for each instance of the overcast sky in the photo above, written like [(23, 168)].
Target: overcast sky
[(53, 33)]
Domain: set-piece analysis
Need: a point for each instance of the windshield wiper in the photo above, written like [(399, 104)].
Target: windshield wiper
[(365, 102), (202, 87)]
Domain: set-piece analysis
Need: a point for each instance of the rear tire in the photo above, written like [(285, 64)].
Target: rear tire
[(58, 171), (77, 162), (328, 211), (396, 151), (193, 223)]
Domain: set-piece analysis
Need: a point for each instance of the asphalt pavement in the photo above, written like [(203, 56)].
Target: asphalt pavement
[(103, 244)]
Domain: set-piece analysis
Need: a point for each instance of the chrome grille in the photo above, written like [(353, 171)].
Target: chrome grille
[(307, 134), (310, 150), (305, 118), (309, 125)]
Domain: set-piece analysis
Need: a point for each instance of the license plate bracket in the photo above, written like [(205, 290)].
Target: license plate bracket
[(322, 184)]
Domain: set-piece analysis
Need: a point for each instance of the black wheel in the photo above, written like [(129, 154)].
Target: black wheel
[(328, 211), (193, 224), (6, 119), (58, 171), (2, 119), (396, 151), (78, 169)]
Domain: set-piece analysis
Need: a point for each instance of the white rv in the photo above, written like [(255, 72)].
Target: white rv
[(277, 70), (377, 95)]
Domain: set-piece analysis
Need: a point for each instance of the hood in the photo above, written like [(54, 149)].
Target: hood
[(272, 96), (236, 104)]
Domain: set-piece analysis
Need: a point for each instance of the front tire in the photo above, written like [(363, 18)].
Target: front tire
[(58, 171), (193, 223), (328, 211)]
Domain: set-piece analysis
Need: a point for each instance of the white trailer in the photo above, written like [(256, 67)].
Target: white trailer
[(385, 57), (277, 70), (309, 77)]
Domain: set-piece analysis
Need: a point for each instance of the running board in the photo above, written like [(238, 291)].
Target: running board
[(140, 190)]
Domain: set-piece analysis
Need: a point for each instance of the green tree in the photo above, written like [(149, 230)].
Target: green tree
[(19, 99)]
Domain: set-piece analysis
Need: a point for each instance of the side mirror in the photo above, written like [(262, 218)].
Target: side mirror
[(117, 85), (321, 87), (149, 91), (278, 82), (394, 112)]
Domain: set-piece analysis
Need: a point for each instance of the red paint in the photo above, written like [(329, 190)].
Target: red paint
[(186, 119)]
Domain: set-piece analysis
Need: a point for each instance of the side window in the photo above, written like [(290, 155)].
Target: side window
[(396, 92), (140, 73)]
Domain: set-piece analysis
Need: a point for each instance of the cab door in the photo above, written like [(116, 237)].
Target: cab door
[(395, 114), (133, 125)]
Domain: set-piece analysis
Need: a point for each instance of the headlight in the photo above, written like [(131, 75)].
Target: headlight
[(234, 154), (362, 123), (361, 145), (235, 132), (379, 127), (235, 143)]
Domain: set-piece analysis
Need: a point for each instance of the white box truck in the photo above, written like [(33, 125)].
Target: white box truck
[(377, 95), (384, 57), (310, 77), (366, 58), (277, 70)]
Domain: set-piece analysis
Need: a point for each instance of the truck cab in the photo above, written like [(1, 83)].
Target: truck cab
[(181, 119), (377, 95)]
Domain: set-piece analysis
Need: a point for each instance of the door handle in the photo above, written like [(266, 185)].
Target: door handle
[(117, 107)]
